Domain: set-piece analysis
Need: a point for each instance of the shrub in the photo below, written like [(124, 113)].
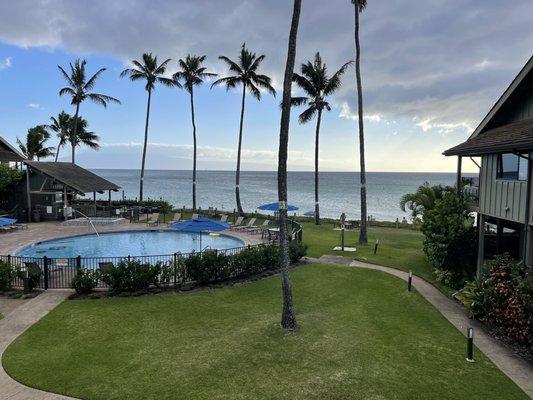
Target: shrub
[(297, 250), (130, 276), (503, 298), (85, 280), (451, 239), (7, 274)]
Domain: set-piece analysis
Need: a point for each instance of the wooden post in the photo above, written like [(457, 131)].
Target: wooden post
[(28, 194), (110, 209), (459, 167), (481, 244), (94, 201), (65, 203)]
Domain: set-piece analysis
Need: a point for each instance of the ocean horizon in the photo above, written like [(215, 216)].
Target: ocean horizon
[(338, 191)]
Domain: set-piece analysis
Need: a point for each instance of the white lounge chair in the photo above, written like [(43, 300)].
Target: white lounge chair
[(153, 219), (249, 225), (224, 218), (177, 218), (237, 223), (195, 216), (260, 228)]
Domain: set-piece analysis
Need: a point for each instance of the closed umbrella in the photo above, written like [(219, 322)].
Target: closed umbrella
[(5, 221)]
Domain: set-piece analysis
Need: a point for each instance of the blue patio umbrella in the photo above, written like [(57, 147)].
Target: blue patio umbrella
[(310, 213), (275, 207), (4, 221), (200, 225)]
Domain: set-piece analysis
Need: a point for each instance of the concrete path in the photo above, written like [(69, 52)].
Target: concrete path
[(16, 322), (512, 365)]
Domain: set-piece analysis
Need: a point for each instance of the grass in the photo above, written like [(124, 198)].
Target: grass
[(362, 337)]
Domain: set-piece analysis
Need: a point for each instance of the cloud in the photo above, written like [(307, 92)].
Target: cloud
[(6, 63), (421, 59), (34, 105)]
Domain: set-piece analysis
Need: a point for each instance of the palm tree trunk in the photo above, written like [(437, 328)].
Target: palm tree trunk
[(74, 133), (145, 145), (288, 319), (363, 231), (194, 153), (238, 170), (57, 152), (317, 208)]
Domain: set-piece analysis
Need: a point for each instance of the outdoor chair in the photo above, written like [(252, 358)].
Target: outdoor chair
[(224, 218), (177, 218), (153, 220), (195, 216), (21, 226), (211, 211), (249, 225), (260, 228), (237, 223)]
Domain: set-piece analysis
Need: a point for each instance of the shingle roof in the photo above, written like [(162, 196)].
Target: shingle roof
[(73, 176), (517, 136), (8, 152)]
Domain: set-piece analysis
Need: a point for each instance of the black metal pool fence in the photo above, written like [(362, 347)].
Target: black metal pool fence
[(57, 273)]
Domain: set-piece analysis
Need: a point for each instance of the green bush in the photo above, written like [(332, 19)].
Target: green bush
[(7, 274), (297, 250), (85, 280), (130, 276), (451, 240), (503, 298)]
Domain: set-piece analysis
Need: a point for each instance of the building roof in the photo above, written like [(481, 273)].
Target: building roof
[(517, 136), (73, 176), (8, 152), (504, 98)]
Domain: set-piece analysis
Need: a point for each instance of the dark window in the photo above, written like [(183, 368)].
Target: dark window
[(512, 167)]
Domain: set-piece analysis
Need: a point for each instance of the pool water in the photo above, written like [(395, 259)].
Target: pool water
[(122, 244)]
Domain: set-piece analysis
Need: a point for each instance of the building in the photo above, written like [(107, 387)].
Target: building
[(504, 143), (47, 188)]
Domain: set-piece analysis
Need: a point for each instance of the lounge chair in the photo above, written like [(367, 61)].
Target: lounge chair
[(244, 227), (224, 218), (195, 216), (153, 220), (211, 211), (237, 223), (21, 226), (177, 218), (260, 228)]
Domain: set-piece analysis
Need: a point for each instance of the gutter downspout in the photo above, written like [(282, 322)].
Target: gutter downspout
[(528, 204)]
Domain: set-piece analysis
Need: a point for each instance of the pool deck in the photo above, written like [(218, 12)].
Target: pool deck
[(12, 242)]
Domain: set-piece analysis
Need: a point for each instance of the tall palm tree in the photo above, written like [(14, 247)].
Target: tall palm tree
[(192, 73), (359, 6), (82, 136), (288, 319), (61, 127), (316, 83), (80, 88), (35, 146), (149, 70), (245, 73)]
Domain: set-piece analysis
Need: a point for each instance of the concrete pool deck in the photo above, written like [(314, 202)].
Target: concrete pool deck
[(12, 242)]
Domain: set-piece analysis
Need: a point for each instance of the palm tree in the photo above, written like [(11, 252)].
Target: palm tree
[(359, 6), (245, 73), (149, 70), (35, 143), (424, 199), (79, 88), (192, 73), (83, 136), (61, 127), (288, 319), (316, 83)]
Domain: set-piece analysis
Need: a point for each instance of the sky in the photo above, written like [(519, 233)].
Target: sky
[(431, 70)]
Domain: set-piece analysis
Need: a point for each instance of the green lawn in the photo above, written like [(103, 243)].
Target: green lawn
[(362, 337)]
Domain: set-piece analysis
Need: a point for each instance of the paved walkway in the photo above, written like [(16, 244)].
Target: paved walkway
[(512, 365), (16, 322)]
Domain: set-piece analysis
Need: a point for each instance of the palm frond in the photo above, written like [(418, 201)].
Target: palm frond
[(307, 115), (299, 101), (233, 66), (90, 83), (334, 82)]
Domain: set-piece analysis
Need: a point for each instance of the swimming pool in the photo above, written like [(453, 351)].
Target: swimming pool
[(122, 244)]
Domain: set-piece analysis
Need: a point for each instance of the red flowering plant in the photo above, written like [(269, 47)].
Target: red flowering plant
[(503, 298)]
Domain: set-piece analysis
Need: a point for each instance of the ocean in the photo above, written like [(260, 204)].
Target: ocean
[(339, 191)]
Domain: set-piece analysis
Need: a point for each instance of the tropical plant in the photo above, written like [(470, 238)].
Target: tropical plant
[(35, 146), (245, 73), (150, 71), (424, 199), (82, 136), (80, 89), (317, 85), (359, 6), (451, 240), (61, 127), (192, 73), (8, 177), (288, 319)]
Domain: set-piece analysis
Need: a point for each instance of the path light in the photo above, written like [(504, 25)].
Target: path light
[(410, 281), (470, 345), (376, 246)]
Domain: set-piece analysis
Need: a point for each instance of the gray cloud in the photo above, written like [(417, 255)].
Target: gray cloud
[(439, 63)]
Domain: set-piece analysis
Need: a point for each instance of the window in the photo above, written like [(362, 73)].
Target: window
[(512, 167)]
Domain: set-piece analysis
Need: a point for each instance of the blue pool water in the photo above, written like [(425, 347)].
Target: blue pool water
[(121, 244)]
